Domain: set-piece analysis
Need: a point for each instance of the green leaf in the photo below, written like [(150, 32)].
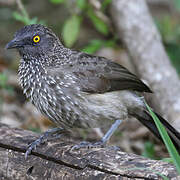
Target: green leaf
[(82, 4), (3, 80), (177, 4), (110, 43), (168, 160), (71, 30), (149, 150), (173, 51), (33, 21), (98, 23), (93, 46), (105, 3), (97, 44), (43, 22), (57, 1), (169, 145), (17, 16), (24, 19)]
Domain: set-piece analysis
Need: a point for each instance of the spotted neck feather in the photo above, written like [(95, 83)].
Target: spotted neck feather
[(30, 75)]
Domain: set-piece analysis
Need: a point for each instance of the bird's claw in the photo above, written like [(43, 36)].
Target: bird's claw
[(43, 138), (33, 145)]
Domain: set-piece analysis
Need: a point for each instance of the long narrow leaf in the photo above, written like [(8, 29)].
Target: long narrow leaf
[(169, 145), (100, 25)]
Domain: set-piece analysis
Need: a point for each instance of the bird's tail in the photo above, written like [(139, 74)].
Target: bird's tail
[(145, 118)]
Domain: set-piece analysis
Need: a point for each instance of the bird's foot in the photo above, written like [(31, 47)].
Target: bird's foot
[(42, 139), (89, 145), (33, 145)]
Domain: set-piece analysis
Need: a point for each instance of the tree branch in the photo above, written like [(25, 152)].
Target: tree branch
[(55, 160), (137, 29)]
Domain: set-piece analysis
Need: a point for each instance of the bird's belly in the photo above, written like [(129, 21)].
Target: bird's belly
[(93, 110), (110, 106)]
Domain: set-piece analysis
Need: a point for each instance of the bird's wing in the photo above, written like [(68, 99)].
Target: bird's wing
[(98, 75)]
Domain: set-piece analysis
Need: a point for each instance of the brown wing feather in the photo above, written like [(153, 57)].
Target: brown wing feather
[(97, 74)]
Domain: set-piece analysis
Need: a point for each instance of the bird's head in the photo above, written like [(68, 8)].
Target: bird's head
[(34, 40)]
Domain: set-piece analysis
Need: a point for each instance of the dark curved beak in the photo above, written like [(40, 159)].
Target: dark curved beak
[(14, 44)]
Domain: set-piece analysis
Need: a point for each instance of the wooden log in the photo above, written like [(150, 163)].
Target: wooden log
[(56, 160)]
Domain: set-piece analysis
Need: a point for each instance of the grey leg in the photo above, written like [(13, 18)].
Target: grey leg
[(102, 142), (44, 137), (111, 131)]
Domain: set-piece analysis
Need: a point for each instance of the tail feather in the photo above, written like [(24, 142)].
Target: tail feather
[(146, 119)]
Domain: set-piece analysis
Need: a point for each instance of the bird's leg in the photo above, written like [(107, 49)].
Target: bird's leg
[(102, 142), (43, 138)]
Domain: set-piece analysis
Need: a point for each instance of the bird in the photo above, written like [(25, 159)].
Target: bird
[(78, 90)]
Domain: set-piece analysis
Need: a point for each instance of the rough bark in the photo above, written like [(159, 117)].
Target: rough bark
[(55, 160), (137, 29)]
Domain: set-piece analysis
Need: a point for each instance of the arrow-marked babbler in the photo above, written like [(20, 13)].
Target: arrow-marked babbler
[(77, 90)]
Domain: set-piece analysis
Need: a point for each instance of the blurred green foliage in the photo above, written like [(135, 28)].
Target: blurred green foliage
[(169, 28), (25, 19), (4, 83), (71, 30), (149, 150), (93, 46), (3, 80), (72, 24), (57, 1), (23, 16), (168, 160), (170, 31), (81, 4), (177, 4), (81, 9), (96, 44), (105, 4), (100, 25)]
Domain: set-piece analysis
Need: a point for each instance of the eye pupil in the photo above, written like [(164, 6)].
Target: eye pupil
[(36, 39)]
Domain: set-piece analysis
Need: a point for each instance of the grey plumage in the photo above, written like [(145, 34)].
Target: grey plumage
[(74, 89)]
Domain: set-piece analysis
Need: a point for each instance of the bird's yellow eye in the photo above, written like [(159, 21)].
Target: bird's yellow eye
[(36, 39)]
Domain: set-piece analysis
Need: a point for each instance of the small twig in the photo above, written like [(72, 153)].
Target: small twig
[(22, 8), (95, 3)]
